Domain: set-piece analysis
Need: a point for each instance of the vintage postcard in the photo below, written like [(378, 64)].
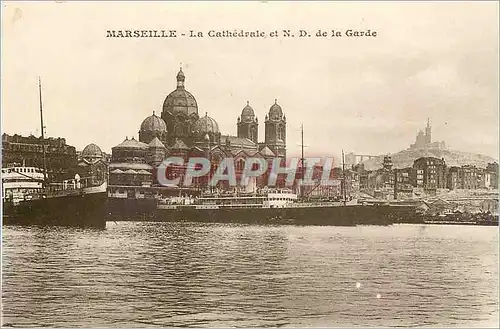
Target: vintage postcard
[(250, 164)]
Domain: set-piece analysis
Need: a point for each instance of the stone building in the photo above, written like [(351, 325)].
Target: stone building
[(405, 180), (454, 178), (93, 165), (430, 173), (470, 177), (61, 158), (181, 131), (492, 170), (129, 166)]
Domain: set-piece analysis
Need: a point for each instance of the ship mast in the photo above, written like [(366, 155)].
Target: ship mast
[(343, 179), (302, 161), (43, 135)]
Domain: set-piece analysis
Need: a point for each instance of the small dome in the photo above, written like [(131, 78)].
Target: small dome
[(206, 125), (154, 123), (92, 151), (275, 112), (247, 115), (131, 144)]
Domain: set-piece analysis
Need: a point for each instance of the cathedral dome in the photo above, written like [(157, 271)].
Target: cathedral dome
[(275, 112), (247, 115), (154, 123), (206, 125), (180, 100), (91, 152)]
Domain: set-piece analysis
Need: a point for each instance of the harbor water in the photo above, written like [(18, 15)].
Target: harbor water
[(137, 274)]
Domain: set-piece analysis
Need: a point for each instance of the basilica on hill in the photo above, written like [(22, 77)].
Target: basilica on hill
[(181, 131)]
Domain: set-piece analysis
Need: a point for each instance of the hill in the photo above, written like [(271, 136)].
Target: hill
[(406, 158)]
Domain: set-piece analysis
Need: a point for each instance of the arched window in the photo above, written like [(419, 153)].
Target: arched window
[(240, 164), (178, 129), (282, 133), (253, 133)]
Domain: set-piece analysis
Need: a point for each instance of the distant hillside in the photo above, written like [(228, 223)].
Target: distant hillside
[(406, 158)]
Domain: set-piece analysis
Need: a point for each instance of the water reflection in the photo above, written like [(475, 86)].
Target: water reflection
[(187, 274)]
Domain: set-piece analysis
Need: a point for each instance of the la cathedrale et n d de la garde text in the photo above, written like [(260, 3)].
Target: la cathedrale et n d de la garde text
[(286, 33)]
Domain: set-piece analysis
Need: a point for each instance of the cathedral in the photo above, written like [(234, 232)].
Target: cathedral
[(181, 131)]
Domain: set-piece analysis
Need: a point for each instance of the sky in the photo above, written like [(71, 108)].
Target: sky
[(364, 95)]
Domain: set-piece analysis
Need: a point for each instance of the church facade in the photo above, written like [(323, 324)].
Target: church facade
[(181, 131)]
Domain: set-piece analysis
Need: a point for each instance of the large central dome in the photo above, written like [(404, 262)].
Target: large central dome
[(180, 101)]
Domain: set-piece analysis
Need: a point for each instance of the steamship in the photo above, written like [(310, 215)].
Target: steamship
[(263, 206), (275, 206), (29, 198)]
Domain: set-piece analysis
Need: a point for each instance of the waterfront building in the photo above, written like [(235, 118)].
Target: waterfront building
[(492, 170), (361, 176), (61, 158), (470, 177), (129, 165), (430, 173), (405, 179), (93, 164), (387, 172), (324, 188), (454, 178), (382, 177)]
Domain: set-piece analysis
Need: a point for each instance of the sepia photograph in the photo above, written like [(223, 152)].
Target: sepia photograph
[(249, 164)]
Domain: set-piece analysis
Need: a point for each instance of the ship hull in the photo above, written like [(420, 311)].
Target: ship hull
[(351, 215), (85, 210), (348, 215)]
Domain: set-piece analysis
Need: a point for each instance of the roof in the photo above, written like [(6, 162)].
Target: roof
[(247, 114), (240, 152), (238, 141), (266, 151), (180, 100), (131, 144), (154, 123), (156, 143), (252, 152), (92, 151), (125, 166), (206, 124), (275, 112), (179, 145)]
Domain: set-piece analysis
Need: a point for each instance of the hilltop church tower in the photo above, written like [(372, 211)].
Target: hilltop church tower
[(428, 138)]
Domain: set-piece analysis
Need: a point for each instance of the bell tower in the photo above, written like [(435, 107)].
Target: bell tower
[(275, 136), (248, 124)]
